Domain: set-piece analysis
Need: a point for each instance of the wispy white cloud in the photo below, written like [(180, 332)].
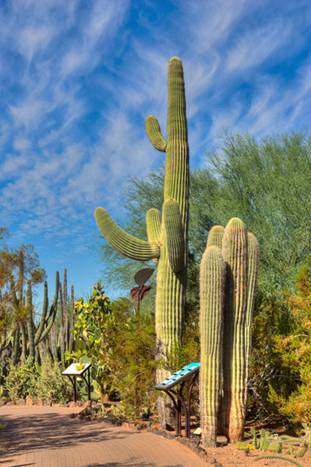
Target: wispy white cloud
[(78, 78), (260, 44)]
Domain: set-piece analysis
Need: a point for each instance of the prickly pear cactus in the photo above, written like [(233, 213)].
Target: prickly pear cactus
[(167, 237)]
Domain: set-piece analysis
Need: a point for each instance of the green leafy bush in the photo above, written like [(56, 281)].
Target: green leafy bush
[(44, 382), (121, 346), (294, 351), (51, 385), (22, 380)]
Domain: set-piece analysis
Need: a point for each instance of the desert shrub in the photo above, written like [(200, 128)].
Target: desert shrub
[(44, 382), (121, 345), (51, 385), (21, 380), (133, 364), (294, 351)]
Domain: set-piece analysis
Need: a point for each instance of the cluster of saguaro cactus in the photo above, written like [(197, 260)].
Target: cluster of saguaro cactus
[(228, 277), (167, 237)]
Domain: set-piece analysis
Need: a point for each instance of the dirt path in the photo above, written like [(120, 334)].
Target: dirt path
[(49, 437)]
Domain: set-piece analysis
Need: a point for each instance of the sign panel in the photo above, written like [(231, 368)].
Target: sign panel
[(179, 376), (76, 369)]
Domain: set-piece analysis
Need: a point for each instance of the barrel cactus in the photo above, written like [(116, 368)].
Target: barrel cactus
[(240, 254), (167, 236)]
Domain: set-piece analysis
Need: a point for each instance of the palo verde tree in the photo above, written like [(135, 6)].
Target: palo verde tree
[(167, 235)]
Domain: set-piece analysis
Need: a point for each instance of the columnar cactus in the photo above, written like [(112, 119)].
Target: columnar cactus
[(240, 253), (215, 236), (167, 238), (212, 280), (30, 321), (235, 373), (48, 313)]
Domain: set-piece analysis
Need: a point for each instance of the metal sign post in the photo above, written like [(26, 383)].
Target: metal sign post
[(74, 371), (181, 401)]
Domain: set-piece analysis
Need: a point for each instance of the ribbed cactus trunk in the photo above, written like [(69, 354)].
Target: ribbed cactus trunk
[(240, 253), (167, 238), (215, 236), (235, 373), (212, 283), (171, 275), (30, 322)]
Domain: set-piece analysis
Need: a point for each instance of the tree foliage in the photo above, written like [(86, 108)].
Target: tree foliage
[(266, 183)]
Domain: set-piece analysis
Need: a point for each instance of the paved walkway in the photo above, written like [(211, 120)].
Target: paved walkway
[(49, 437)]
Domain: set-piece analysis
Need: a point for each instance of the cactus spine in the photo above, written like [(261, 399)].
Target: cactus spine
[(240, 253), (212, 280), (167, 240)]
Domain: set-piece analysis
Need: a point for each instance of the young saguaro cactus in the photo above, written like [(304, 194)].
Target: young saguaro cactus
[(167, 238), (212, 283)]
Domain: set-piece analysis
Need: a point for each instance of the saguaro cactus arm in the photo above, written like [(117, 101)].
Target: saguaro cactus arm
[(235, 368), (252, 276), (153, 224), (215, 236), (124, 243), (212, 283), (174, 234), (154, 134)]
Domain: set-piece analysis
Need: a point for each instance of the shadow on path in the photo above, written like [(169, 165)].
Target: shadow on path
[(51, 431)]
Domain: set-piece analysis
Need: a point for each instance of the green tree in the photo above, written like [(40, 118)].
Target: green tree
[(266, 183)]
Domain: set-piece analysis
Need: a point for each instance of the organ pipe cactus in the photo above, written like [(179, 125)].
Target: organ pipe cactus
[(48, 313), (32, 335), (212, 280), (167, 237), (30, 321), (240, 253)]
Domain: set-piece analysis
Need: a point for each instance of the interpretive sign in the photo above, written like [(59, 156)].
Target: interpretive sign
[(181, 377), (78, 370)]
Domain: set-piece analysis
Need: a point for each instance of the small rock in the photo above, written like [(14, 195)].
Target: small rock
[(20, 402)]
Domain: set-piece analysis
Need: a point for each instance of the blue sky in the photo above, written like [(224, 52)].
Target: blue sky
[(77, 79)]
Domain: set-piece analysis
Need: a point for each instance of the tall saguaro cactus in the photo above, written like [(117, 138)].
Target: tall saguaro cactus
[(167, 237)]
